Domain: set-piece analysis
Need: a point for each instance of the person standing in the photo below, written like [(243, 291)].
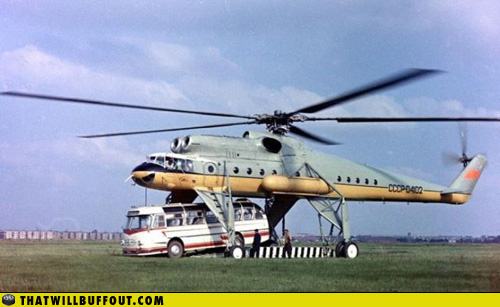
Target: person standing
[(256, 244), (288, 244)]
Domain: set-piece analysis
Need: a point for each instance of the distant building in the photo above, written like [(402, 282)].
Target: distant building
[(58, 235)]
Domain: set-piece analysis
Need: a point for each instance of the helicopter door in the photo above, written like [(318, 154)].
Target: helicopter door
[(212, 177)]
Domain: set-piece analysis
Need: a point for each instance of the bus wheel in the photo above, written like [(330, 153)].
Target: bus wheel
[(175, 249), (237, 252)]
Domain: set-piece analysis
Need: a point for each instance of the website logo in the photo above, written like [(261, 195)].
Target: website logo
[(8, 299)]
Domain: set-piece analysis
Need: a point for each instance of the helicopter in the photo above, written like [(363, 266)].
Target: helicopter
[(282, 169)]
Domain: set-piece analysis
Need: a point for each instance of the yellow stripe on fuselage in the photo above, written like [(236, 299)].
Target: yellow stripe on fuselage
[(248, 186)]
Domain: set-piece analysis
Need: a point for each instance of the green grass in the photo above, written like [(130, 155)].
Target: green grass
[(97, 266)]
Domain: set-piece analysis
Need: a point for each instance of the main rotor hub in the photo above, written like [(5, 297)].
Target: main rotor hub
[(279, 122)]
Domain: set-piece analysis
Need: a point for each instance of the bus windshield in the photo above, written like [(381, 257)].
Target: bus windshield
[(138, 222)]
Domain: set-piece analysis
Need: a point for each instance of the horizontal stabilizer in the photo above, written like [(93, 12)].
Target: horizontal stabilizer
[(450, 191)]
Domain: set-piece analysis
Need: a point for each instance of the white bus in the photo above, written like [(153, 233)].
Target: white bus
[(177, 229)]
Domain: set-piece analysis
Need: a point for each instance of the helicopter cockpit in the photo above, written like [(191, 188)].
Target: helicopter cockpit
[(171, 162), (144, 173)]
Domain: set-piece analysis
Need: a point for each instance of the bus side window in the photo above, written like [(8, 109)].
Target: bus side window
[(172, 222), (237, 214), (175, 221), (159, 221), (211, 218), (247, 215), (258, 214), (195, 218), (191, 218)]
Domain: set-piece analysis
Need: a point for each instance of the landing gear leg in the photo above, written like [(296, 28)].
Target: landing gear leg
[(347, 248), (336, 212)]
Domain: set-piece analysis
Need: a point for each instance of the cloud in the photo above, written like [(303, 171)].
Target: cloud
[(32, 69), (180, 58), (425, 106), (243, 97), (106, 152), (480, 17), (171, 56)]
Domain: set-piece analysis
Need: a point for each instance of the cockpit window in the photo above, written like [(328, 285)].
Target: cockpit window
[(188, 166), (173, 163), (169, 163), (179, 164)]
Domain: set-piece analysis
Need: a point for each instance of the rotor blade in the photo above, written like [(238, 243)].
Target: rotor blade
[(462, 128), (119, 105), (391, 81), (450, 158), (307, 135), (164, 130), (403, 119)]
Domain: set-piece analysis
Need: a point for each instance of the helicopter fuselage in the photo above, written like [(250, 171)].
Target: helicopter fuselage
[(262, 165)]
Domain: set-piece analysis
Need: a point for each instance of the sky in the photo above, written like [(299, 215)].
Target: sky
[(241, 57)]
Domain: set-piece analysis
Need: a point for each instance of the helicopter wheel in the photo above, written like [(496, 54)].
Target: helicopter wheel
[(339, 249), (237, 252), (350, 250)]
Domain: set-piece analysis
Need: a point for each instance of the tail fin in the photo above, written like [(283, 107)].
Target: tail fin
[(467, 179)]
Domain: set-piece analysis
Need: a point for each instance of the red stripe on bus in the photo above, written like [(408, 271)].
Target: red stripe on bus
[(132, 231), (144, 250), (248, 234), (203, 244)]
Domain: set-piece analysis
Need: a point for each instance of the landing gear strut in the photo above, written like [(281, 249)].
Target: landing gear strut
[(335, 211)]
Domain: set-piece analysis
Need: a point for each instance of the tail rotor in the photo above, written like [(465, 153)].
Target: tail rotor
[(450, 158)]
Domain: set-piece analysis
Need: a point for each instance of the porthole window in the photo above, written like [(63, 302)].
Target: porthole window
[(339, 179), (367, 181), (262, 172), (348, 179), (297, 174), (274, 172), (211, 168), (236, 170), (375, 182), (357, 180), (249, 171)]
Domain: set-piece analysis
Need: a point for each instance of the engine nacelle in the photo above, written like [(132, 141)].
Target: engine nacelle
[(185, 144), (180, 145), (176, 145)]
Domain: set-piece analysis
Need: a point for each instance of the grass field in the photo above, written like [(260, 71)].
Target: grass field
[(91, 266)]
